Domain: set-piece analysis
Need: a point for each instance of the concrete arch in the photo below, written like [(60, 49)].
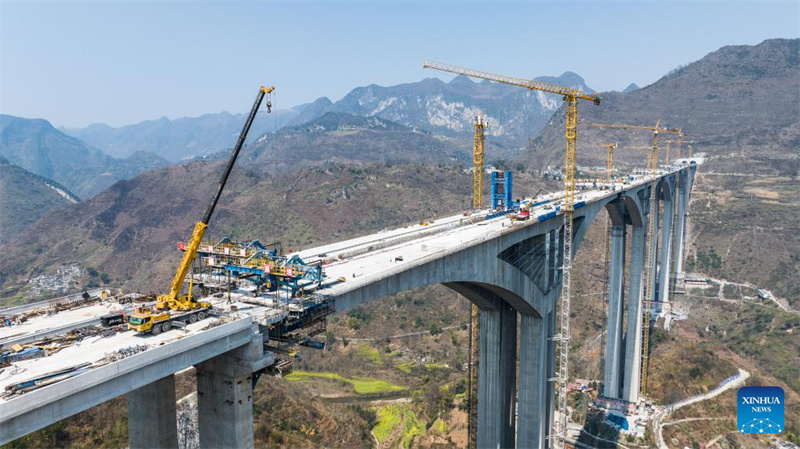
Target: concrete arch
[(624, 210), (474, 271), (490, 297), (516, 271)]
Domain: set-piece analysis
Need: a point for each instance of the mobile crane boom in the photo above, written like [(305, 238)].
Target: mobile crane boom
[(172, 300)]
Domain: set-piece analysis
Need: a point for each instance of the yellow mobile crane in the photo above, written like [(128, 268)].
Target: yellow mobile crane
[(172, 306), (571, 96)]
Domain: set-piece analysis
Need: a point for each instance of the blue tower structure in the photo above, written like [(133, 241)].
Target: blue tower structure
[(502, 190)]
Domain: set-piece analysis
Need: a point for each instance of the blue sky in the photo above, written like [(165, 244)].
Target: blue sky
[(124, 62)]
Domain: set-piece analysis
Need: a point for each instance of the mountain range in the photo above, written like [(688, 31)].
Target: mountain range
[(337, 137), (430, 105), (728, 100), (26, 197), (36, 146), (739, 100), (128, 231), (631, 87)]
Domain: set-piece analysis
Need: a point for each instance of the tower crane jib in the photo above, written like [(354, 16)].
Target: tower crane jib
[(571, 97)]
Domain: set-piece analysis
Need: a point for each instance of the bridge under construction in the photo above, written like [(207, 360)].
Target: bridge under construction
[(506, 267), (513, 261)]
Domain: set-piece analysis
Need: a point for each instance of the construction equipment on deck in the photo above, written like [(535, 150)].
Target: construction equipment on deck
[(265, 265), (524, 212), (477, 165), (190, 310), (571, 97), (502, 190), (688, 146), (652, 156)]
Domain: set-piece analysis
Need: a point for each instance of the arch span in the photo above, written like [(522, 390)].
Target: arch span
[(516, 270)]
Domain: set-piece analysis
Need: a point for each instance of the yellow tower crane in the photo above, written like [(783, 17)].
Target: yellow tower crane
[(652, 158), (669, 144), (650, 154), (571, 97), (477, 164), (679, 143), (609, 162), (688, 147), (474, 318)]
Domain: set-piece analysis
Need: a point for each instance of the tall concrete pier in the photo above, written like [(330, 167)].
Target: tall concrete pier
[(623, 363)]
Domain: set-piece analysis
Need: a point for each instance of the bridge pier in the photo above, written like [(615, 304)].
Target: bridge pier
[(532, 414), (666, 253), (152, 418), (613, 362), (633, 339), (225, 395), (654, 249), (497, 377), (680, 221)]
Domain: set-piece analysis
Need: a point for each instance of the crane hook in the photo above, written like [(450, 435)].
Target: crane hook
[(269, 106)]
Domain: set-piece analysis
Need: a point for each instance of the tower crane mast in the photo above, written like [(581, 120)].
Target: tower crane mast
[(609, 161), (571, 97), (474, 316), (477, 167)]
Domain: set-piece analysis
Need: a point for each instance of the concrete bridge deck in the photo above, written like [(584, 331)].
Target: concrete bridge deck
[(372, 269)]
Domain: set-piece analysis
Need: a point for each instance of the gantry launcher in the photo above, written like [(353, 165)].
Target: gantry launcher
[(266, 267)]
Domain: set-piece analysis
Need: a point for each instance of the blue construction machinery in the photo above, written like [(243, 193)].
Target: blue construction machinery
[(502, 190), (264, 265)]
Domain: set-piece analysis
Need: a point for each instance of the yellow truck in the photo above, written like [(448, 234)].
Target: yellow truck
[(145, 320)]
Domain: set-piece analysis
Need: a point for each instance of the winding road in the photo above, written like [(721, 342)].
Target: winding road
[(666, 411)]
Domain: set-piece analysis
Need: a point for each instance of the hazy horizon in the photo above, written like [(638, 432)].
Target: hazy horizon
[(120, 63)]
